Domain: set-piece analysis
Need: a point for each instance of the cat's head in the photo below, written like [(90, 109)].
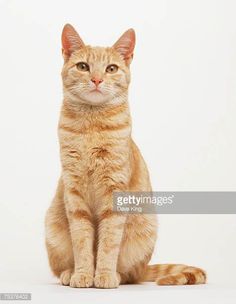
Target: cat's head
[(96, 75)]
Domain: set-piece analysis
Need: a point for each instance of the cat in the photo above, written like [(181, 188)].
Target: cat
[(88, 244)]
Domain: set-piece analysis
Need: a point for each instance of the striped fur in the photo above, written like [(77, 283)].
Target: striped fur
[(87, 243), (174, 274)]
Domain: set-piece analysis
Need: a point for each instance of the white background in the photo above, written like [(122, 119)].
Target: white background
[(183, 107)]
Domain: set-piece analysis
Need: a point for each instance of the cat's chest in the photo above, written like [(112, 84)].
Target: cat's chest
[(85, 152)]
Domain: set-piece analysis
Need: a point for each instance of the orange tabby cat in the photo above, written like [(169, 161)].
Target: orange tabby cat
[(88, 244)]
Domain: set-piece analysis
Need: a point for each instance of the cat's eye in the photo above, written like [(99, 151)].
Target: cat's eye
[(82, 66), (112, 68)]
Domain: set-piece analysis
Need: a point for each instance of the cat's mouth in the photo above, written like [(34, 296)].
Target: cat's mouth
[(95, 96), (97, 90)]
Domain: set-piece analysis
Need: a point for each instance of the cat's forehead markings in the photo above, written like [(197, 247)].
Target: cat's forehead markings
[(100, 54), (97, 54), (94, 55)]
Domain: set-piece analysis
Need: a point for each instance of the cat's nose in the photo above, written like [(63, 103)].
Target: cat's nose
[(96, 81)]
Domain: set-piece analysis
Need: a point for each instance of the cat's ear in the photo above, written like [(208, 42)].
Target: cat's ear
[(125, 45), (71, 40)]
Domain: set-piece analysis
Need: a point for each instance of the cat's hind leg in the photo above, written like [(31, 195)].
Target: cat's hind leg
[(137, 246), (58, 240)]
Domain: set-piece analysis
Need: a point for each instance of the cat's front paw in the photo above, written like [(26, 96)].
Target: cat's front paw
[(107, 280), (81, 280), (65, 277)]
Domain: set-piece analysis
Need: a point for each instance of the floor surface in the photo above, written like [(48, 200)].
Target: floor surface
[(49, 292)]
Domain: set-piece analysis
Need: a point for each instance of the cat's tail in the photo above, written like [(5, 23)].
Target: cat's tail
[(174, 274)]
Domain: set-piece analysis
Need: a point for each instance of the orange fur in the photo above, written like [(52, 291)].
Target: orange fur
[(88, 244)]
